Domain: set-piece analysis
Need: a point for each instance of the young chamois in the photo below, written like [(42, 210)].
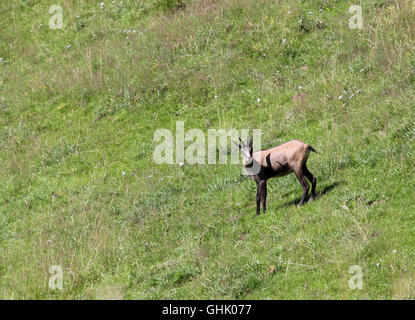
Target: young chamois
[(290, 157)]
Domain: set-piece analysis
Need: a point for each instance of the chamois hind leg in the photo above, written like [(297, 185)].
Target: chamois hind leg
[(313, 181), (305, 186)]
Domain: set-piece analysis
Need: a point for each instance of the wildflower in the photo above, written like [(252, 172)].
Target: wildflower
[(123, 173), (181, 164), (258, 100), (271, 270), (284, 41), (68, 47), (340, 97)]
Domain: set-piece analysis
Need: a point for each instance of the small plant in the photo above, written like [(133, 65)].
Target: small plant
[(166, 5), (305, 24)]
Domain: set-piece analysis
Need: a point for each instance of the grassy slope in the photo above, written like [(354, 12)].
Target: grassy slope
[(73, 120)]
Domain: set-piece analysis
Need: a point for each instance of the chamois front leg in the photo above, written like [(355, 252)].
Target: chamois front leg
[(258, 198), (263, 188)]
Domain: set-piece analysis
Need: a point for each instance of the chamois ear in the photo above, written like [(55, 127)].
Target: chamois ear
[(250, 146), (241, 142), (237, 144)]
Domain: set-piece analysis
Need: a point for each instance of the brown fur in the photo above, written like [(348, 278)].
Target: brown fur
[(290, 157)]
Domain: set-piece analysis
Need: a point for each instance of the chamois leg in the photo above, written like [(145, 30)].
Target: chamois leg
[(263, 195), (313, 181), (258, 198), (305, 186)]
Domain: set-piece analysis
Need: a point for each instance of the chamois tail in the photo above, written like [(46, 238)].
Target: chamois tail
[(312, 149)]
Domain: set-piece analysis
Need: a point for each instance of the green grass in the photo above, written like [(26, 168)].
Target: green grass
[(74, 119)]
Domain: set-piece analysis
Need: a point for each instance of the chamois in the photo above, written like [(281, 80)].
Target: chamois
[(290, 157)]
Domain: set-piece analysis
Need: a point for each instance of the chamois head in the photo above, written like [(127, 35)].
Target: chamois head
[(246, 150)]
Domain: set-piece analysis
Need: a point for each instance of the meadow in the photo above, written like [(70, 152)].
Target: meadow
[(79, 187)]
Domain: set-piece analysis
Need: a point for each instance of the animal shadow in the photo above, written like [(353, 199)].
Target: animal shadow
[(320, 193)]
